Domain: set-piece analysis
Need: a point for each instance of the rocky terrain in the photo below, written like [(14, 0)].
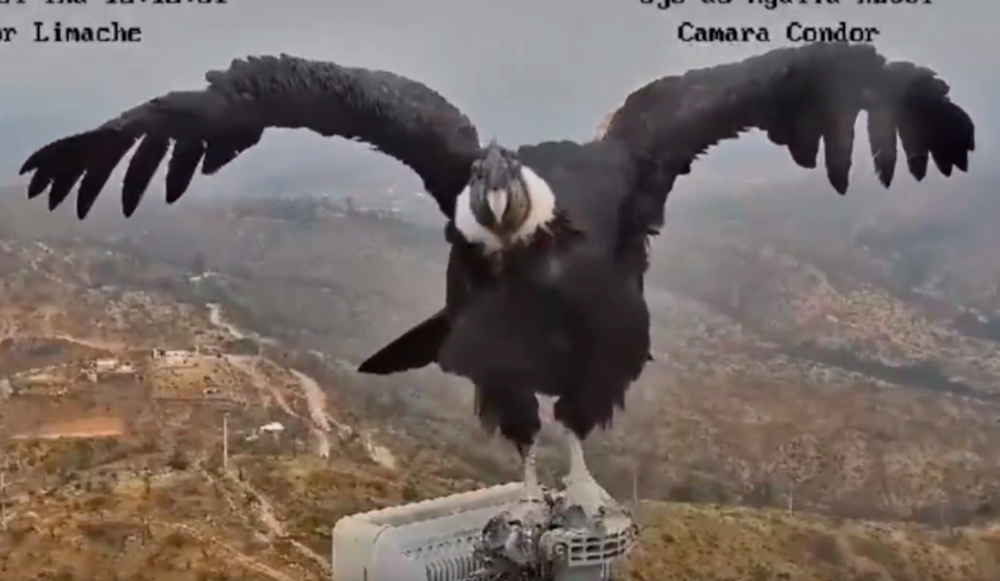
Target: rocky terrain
[(836, 356)]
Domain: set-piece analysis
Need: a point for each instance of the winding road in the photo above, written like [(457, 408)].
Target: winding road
[(322, 423)]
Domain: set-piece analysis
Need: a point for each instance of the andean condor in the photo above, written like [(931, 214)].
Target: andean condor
[(549, 242)]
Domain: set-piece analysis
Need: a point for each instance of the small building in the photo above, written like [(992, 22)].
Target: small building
[(112, 365), (105, 365), (175, 357)]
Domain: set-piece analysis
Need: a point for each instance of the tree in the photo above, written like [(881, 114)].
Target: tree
[(178, 460), (410, 492)]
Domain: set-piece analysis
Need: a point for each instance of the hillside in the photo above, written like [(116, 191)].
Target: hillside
[(111, 410), (789, 346), (683, 542), (800, 351)]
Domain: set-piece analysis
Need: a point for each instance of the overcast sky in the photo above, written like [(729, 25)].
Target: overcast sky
[(524, 70)]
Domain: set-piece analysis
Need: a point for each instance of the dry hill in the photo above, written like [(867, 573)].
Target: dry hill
[(834, 361)]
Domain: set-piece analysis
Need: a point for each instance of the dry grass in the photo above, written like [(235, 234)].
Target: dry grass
[(701, 543), (193, 523), (180, 527)]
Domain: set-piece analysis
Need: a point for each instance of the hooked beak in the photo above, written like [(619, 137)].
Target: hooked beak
[(489, 208), (497, 201)]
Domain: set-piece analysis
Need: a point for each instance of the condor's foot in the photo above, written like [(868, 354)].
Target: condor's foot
[(532, 511), (512, 536), (584, 492), (583, 495), (532, 489)]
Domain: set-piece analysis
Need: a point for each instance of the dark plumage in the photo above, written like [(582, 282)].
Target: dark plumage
[(549, 243), (211, 127)]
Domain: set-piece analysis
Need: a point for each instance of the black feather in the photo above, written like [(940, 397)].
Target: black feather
[(398, 116), (563, 313), (795, 95), (40, 180), (140, 171), (182, 167), (416, 348)]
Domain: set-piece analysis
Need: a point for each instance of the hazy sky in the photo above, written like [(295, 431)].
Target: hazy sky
[(524, 70)]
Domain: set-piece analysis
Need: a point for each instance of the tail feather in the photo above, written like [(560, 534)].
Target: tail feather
[(414, 349)]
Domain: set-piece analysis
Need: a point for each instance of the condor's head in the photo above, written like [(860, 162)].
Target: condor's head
[(504, 203)]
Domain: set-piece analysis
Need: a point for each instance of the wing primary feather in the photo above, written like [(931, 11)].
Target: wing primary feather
[(911, 136), (47, 152), (182, 167), (805, 138), (798, 96), (64, 182), (140, 171), (222, 151), (838, 148), (50, 161), (100, 169), (40, 180), (396, 115), (882, 142), (114, 147)]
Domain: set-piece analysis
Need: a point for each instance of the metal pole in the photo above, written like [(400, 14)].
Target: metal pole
[(635, 490), (791, 496), (225, 442), (3, 499)]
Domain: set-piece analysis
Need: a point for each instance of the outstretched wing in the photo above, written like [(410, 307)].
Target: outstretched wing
[(798, 96), (396, 115)]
